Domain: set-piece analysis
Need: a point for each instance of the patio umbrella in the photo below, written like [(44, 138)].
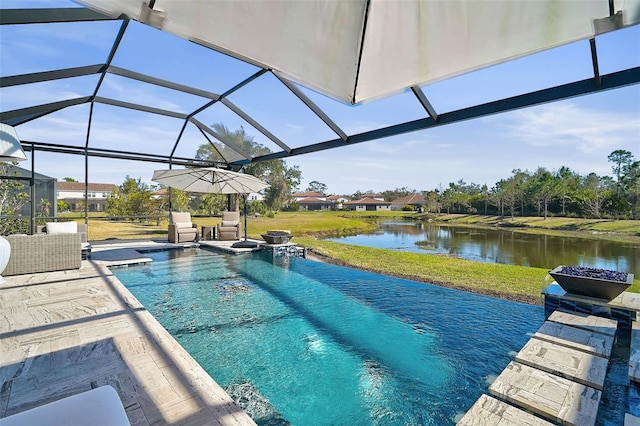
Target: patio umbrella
[(212, 180)]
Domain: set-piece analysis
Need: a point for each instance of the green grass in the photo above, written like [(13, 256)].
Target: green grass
[(525, 283)]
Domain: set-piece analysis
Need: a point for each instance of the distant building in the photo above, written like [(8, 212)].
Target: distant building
[(156, 195), (73, 194), (255, 196), (369, 204), (416, 201), (318, 201), (315, 204)]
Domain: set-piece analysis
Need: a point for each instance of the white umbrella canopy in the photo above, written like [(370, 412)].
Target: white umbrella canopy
[(360, 50), (209, 180)]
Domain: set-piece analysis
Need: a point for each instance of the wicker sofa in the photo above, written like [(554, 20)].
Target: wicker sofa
[(44, 252)]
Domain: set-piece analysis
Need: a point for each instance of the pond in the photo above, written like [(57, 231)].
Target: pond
[(500, 246)]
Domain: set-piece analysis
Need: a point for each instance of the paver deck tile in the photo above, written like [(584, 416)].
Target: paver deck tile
[(488, 411), (581, 367), (553, 397), (587, 322), (576, 338), (634, 358)]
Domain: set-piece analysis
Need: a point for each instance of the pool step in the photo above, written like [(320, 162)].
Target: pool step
[(583, 340), (592, 323), (548, 395), (490, 411), (587, 369)]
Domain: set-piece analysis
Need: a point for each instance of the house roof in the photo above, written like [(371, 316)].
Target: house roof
[(308, 194), (416, 199), (335, 197), (369, 200), (79, 186), (313, 200)]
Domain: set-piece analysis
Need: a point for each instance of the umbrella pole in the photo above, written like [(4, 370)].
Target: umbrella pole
[(244, 198), (246, 243)]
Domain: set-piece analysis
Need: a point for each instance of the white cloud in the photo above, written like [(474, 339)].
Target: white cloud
[(566, 124)]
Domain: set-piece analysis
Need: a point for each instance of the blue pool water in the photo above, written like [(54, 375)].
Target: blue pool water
[(307, 343)]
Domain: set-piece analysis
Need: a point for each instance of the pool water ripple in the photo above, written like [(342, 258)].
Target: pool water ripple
[(323, 344)]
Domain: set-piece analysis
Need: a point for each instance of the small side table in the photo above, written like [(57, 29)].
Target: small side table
[(208, 233)]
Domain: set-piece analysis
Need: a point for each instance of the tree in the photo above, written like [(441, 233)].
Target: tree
[(397, 193), (543, 189), (13, 195), (179, 200), (592, 195), (315, 186), (132, 198), (567, 183), (45, 207), (212, 204), (13, 192), (621, 160), (431, 201), (68, 179), (632, 186), (283, 180), (62, 205)]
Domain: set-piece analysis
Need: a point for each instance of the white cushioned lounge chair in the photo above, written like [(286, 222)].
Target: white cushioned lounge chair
[(229, 227), (181, 229)]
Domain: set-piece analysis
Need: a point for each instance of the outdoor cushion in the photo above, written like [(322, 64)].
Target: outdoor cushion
[(62, 227), (226, 223), (183, 225)]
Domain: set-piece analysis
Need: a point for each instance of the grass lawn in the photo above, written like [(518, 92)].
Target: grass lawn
[(508, 281)]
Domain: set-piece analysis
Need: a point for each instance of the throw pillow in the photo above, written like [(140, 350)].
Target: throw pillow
[(62, 227), (227, 223)]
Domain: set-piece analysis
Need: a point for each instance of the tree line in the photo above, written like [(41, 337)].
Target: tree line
[(562, 192)]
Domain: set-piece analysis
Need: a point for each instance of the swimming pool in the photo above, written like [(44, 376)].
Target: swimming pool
[(306, 343)]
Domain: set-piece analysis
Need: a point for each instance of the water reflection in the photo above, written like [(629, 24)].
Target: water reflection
[(501, 246)]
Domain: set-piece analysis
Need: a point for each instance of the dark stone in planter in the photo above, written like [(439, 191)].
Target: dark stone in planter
[(590, 286)]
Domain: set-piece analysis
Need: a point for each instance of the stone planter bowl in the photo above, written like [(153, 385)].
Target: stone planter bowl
[(277, 237), (600, 288)]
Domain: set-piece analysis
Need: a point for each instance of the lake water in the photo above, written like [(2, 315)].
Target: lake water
[(500, 246)]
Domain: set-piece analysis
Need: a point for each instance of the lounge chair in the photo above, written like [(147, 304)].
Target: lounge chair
[(229, 227), (181, 229)]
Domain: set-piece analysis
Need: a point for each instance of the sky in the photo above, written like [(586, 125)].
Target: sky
[(578, 133)]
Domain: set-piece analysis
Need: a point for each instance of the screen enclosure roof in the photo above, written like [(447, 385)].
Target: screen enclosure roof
[(183, 69)]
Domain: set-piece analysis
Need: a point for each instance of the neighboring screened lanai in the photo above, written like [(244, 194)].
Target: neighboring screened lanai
[(179, 67)]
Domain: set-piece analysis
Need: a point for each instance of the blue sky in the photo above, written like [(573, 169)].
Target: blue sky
[(578, 133)]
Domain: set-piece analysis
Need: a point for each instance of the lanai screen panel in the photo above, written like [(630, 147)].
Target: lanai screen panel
[(365, 49)]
